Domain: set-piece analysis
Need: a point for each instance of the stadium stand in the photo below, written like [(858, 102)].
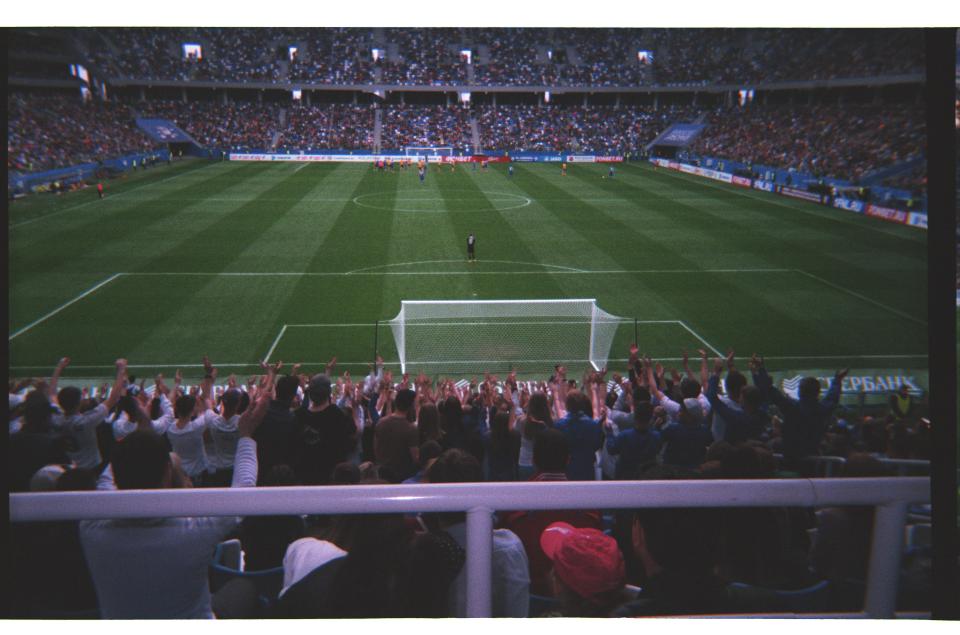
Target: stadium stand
[(751, 557), (425, 126)]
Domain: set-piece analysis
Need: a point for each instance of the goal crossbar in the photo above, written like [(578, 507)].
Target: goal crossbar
[(509, 331)]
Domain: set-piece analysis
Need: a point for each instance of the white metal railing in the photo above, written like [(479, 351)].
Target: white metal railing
[(826, 465), (890, 496)]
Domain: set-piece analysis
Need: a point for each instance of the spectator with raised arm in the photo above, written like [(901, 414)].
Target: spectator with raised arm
[(81, 427), (157, 568), (805, 420), (584, 434), (749, 421)]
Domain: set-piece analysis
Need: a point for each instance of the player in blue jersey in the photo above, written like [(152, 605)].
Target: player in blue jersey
[(510, 170), (421, 172)]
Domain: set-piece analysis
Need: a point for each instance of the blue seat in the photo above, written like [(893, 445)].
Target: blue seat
[(815, 598), (225, 567)]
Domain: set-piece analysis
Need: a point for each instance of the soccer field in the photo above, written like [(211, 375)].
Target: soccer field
[(298, 261)]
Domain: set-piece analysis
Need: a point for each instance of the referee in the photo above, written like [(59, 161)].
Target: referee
[(471, 248)]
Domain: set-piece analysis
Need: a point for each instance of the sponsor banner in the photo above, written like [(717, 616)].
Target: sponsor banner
[(887, 213), (580, 158), (609, 159), (525, 159), (741, 181), (663, 163), (351, 158), (875, 384), (673, 166), (849, 205), (794, 193), (766, 186), (478, 158), (917, 219), (683, 167)]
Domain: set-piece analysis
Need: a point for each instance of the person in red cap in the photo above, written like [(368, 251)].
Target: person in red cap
[(588, 570)]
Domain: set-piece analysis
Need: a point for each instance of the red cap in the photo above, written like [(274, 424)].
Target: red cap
[(586, 560)]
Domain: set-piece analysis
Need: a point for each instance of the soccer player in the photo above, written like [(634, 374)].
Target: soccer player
[(510, 170), (421, 171), (100, 190), (563, 169), (471, 248), (610, 173)]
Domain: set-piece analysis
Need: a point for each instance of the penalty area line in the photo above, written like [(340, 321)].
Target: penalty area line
[(64, 306)]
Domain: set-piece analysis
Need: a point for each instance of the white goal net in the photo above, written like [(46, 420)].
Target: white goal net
[(472, 336), (429, 153)]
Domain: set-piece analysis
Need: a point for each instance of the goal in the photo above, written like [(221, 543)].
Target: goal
[(429, 153), (476, 335)]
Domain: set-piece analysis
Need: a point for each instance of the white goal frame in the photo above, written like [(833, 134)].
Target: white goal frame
[(583, 311), (429, 153)]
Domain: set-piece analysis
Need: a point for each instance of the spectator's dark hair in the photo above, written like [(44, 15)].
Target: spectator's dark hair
[(538, 407), (744, 461), (429, 450), (642, 413), (156, 408), (455, 466), (345, 473), (287, 388), (717, 450), (69, 399), (809, 388), (751, 397), (641, 394), (244, 401), (551, 451), (500, 431), (428, 423), (231, 399), (403, 402), (735, 382), (139, 462), (451, 416), (689, 387), (37, 412), (128, 405), (184, 406), (279, 476), (77, 479), (577, 402)]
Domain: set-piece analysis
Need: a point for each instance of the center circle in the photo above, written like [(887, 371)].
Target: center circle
[(427, 203)]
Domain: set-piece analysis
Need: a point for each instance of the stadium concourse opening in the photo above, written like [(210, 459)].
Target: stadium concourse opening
[(658, 303)]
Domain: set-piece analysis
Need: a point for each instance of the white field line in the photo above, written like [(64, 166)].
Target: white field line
[(451, 273), (757, 196), (864, 298), (694, 333), (430, 262), (581, 322), (300, 167), (110, 197), (65, 305), (277, 340), (519, 361)]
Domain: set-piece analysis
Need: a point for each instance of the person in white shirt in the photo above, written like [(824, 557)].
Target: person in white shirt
[(224, 435), (82, 426), (156, 568)]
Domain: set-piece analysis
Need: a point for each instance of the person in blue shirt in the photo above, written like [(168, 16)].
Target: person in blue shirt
[(510, 170), (635, 447), (584, 434), (746, 422), (805, 419), (687, 441)]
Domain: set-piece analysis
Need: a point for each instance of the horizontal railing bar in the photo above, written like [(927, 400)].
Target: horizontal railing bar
[(368, 499)]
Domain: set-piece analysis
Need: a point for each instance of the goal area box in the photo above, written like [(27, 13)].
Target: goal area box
[(471, 336)]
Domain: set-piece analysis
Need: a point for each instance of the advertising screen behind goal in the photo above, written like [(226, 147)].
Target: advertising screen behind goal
[(471, 336)]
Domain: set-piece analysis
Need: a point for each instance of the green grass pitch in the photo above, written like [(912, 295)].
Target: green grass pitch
[(240, 260)]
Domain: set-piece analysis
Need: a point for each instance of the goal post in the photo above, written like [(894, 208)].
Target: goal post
[(471, 336), (429, 153)]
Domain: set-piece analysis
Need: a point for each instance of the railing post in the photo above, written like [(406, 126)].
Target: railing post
[(479, 562), (885, 551)]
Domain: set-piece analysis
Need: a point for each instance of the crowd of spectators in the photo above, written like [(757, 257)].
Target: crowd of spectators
[(425, 126), (650, 422), (333, 56), (844, 142), (427, 57), (329, 126), (601, 129), (431, 56), (234, 125), (46, 132)]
